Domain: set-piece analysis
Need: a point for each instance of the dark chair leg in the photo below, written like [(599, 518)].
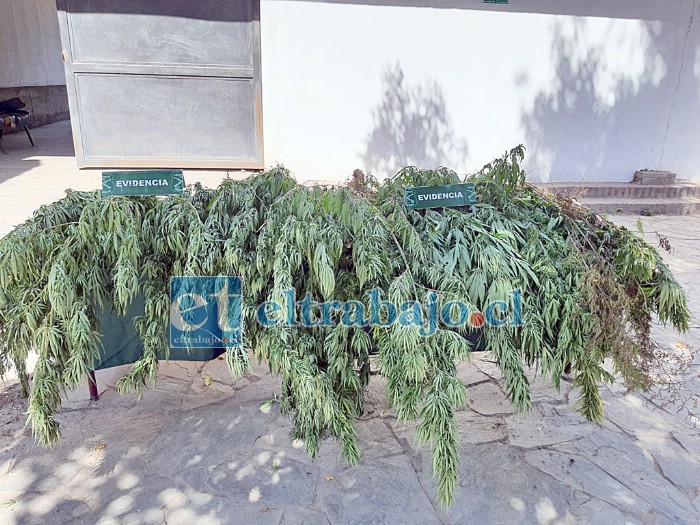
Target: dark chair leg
[(92, 386), (26, 128), (2, 146)]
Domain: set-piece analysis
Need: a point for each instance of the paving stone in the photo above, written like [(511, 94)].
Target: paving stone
[(12, 447), (36, 509), (618, 387), (215, 510), (579, 472), (376, 439), (201, 395), (365, 495), (215, 382), (405, 434), (496, 486), (680, 468), (330, 459), (144, 425), (165, 396), (376, 398), (612, 453), (208, 435), (218, 370), (488, 400), (260, 478), (109, 399), (689, 441), (101, 501), (475, 429), (598, 512), (663, 520), (304, 517), (8, 507), (151, 517), (681, 405), (109, 376), (38, 470), (486, 364), (542, 388), (256, 392), (633, 520), (634, 415), (278, 437), (182, 370), (468, 372), (547, 425), (217, 447), (580, 498), (79, 397)]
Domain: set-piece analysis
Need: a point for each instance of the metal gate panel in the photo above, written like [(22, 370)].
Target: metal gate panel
[(164, 84)]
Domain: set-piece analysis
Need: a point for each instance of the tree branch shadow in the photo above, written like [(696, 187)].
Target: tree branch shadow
[(411, 127), (604, 118)]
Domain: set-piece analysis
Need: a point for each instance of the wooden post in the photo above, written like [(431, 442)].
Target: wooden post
[(92, 385)]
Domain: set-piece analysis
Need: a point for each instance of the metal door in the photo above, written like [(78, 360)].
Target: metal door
[(163, 83)]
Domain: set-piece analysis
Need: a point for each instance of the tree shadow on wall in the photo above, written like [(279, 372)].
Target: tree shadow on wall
[(411, 128), (602, 120)]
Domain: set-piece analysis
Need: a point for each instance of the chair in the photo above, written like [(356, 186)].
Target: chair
[(12, 116)]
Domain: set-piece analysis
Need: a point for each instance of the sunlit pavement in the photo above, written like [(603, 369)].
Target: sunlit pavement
[(30, 177), (197, 449)]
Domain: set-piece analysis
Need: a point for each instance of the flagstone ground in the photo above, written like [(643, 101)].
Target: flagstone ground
[(198, 449)]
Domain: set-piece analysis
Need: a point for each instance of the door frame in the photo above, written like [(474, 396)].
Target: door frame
[(254, 74)]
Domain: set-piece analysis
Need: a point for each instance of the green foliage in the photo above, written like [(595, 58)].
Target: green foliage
[(589, 290)]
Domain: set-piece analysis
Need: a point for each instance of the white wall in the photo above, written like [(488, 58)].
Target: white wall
[(594, 89), (593, 97), (30, 45)]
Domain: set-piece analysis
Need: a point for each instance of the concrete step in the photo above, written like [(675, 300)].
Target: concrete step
[(635, 206), (623, 190)]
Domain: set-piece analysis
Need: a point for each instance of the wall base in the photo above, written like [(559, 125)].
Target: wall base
[(45, 103)]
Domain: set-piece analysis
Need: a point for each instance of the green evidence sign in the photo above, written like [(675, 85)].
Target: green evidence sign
[(150, 182), (450, 196)]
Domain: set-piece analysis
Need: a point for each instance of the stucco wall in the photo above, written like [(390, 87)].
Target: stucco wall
[(30, 45), (30, 59), (595, 90)]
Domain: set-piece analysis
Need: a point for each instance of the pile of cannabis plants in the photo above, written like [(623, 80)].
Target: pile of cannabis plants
[(588, 290)]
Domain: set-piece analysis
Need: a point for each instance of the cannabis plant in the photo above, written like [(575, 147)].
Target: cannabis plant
[(588, 289)]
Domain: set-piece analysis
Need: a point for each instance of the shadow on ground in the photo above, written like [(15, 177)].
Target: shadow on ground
[(197, 449), (53, 140)]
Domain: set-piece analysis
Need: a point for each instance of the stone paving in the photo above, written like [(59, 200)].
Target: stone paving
[(198, 449)]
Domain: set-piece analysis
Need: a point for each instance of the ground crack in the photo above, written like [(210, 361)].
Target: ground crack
[(678, 82), (417, 467)]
